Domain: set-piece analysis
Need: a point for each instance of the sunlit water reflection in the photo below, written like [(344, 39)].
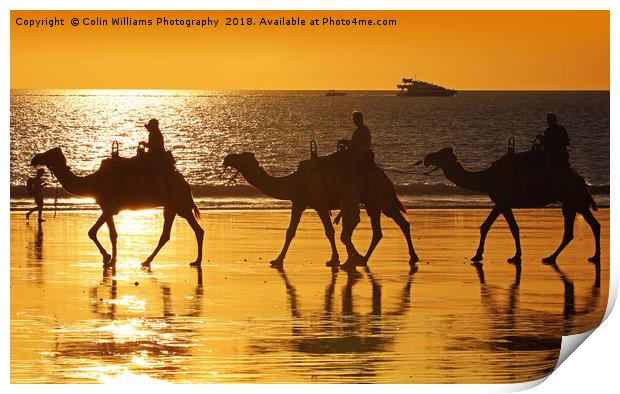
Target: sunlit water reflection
[(202, 127), (237, 320)]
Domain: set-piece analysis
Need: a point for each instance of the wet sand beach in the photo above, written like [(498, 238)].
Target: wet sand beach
[(236, 320)]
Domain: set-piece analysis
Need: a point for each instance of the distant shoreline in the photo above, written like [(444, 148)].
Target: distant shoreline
[(321, 91)]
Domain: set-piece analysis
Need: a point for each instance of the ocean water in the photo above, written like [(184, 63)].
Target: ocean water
[(201, 127)]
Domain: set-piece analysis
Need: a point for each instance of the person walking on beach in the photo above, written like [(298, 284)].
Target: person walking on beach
[(34, 186)]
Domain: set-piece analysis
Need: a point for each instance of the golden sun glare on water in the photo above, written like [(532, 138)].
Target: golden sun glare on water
[(137, 222)]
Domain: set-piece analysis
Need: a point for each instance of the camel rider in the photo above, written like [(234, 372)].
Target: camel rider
[(556, 142), (555, 145), (156, 150), (360, 144), (358, 152), (156, 139)]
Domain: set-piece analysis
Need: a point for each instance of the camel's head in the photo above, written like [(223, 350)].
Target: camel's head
[(53, 158), (240, 161), (440, 158)]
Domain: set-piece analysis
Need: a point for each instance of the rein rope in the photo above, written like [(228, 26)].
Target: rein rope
[(55, 181), (397, 171), (232, 180)]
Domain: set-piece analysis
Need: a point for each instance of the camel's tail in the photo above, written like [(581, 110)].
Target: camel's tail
[(593, 204), (401, 207), (590, 200), (196, 211), (396, 200)]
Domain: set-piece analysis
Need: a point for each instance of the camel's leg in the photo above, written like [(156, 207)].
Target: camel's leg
[(349, 222), (329, 232), (92, 234), (350, 213), (377, 234), (569, 223), (514, 229), (405, 228), (113, 237), (296, 212), (165, 235), (484, 229), (596, 230), (198, 231)]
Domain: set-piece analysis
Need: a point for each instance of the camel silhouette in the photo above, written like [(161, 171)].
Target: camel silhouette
[(516, 182), (317, 185), (117, 186)]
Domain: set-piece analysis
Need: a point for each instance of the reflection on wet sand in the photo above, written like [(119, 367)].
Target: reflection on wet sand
[(237, 320), (116, 348), (348, 332), (573, 323), (533, 331), (35, 247)]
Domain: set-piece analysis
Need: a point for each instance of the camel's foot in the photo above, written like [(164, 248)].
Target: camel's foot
[(413, 260), (596, 259), (110, 263), (514, 260), (356, 259), (476, 263), (477, 258), (277, 263), (196, 263), (413, 269), (106, 258), (148, 261), (349, 267), (334, 262), (550, 260)]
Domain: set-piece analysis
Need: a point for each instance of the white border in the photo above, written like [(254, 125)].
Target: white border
[(593, 368)]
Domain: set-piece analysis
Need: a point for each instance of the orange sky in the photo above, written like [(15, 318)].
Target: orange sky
[(543, 50)]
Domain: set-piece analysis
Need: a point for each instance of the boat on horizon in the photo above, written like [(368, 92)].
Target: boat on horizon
[(332, 93), (416, 88)]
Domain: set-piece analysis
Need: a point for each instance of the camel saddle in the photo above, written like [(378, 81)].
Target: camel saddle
[(533, 170), (143, 164), (336, 163), (335, 167)]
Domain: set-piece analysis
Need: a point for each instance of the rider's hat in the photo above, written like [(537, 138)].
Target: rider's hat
[(153, 124)]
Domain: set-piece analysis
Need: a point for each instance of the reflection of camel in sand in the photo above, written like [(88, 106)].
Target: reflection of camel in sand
[(509, 335), (117, 338), (509, 186), (571, 312), (349, 332), (510, 331), (117, 189), (105, 305), (314, 184)]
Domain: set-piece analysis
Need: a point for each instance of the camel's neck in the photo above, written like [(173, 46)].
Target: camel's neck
[(458, 175), (78, 185), (282, 188)]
